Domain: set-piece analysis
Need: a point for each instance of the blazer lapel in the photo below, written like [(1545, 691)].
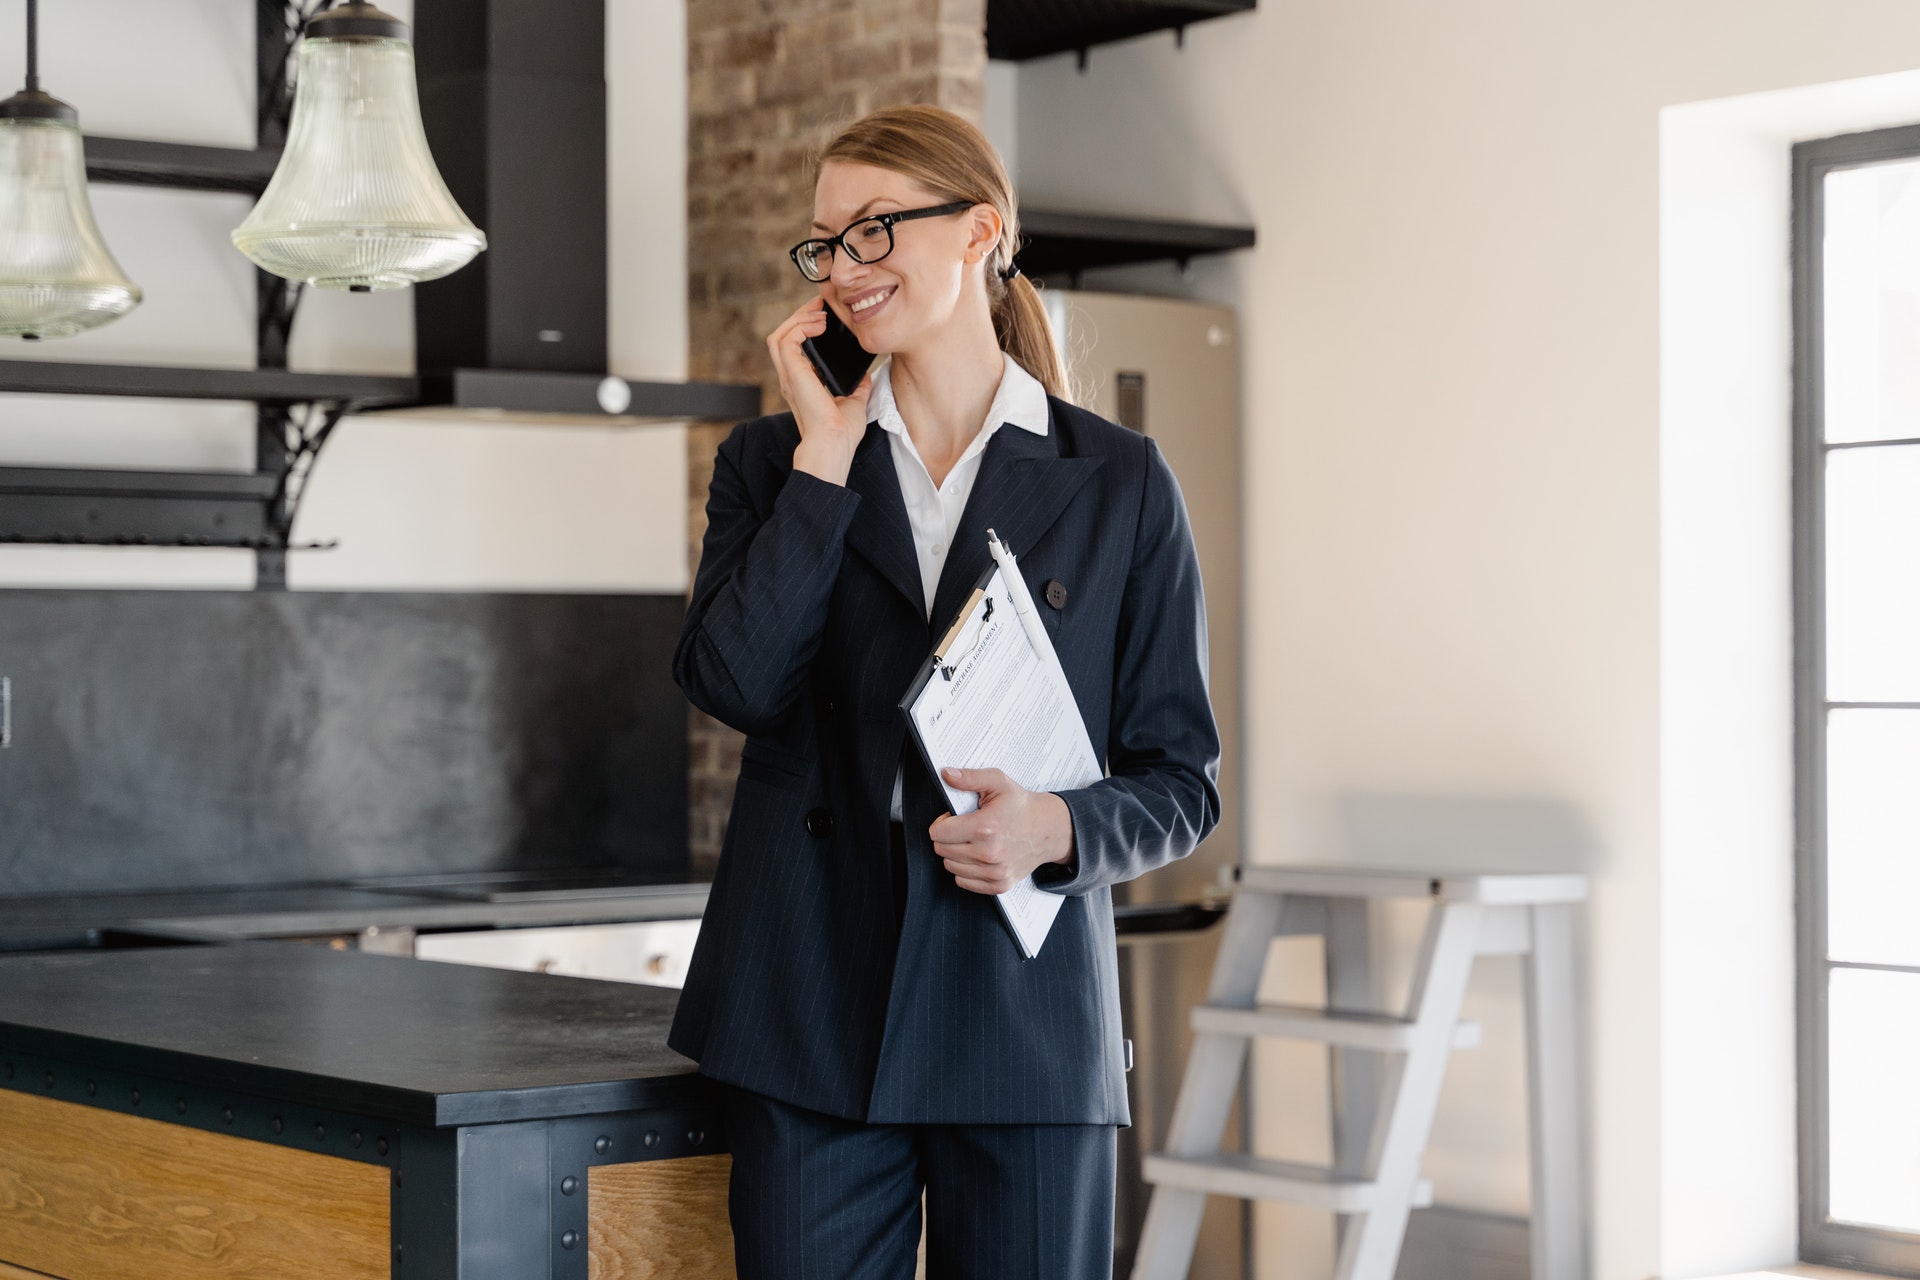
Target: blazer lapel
[(880, 532), (1023, 487)]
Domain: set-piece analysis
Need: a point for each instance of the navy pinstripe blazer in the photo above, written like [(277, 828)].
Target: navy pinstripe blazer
[(805, 627)]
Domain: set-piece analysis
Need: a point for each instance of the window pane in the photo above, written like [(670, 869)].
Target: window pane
[(1873, 574), (1873, 1025), (1873, 837), (1872, 304)]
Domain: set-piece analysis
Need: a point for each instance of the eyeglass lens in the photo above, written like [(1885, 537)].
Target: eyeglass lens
[(866, 241)]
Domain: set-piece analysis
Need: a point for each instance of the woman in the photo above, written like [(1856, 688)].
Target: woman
[(877, 1031)]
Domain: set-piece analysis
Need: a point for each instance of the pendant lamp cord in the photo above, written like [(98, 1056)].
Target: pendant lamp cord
[(33, 46)]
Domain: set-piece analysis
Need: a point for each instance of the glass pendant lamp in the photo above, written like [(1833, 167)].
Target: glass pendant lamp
[(56, 275), (356, 202)]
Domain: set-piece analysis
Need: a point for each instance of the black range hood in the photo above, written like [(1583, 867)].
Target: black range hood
[(513, 96)]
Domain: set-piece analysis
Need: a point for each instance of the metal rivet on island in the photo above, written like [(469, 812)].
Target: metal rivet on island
[(92, 1089), (651, 1140), (1056, 593), (179, 1106), (136, 1097), (49, 1079), (279, 1125), (569, 1185), (603, 1144), (353, 1139), (695, 1137), (380, 1145), (226, 1115), (319, 1132), (568, 1239)]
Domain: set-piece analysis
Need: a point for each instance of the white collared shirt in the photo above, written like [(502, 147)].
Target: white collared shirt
[(933, 511)]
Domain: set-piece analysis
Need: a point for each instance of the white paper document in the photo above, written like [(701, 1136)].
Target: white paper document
[(997, 698)]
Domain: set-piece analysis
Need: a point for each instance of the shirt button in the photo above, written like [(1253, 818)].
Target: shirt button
[(939, 549), (819, 823)]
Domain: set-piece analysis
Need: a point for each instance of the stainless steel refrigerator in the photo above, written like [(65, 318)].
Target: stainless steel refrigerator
[(1170, 369)]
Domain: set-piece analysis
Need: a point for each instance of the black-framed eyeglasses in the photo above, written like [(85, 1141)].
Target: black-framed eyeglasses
[(868, 240)]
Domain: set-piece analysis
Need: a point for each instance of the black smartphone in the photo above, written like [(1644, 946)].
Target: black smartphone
[(838, 357)]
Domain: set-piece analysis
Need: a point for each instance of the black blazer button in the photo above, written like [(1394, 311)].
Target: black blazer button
[(819, 823), (1056, 594)]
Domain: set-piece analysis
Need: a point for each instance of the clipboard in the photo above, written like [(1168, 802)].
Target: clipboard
[(993, 694)]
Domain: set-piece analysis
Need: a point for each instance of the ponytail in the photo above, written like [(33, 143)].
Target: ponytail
[(949, 155), (1020, 322)]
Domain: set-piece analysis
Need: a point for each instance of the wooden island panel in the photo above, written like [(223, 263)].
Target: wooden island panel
[(660, 1220), (21, 1273), (91, 1194)]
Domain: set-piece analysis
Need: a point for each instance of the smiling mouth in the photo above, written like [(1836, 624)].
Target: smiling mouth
[(869, 301)]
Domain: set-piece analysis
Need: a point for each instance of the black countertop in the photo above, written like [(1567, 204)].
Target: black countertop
[(47, 922), (401, 1039)]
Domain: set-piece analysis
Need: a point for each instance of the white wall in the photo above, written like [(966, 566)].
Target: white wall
[(1452, 333), (414, 503)]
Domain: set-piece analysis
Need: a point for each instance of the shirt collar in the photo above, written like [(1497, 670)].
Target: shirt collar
[(1019, 401)]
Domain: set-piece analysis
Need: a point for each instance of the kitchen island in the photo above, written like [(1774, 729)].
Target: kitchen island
[(293, 1111)]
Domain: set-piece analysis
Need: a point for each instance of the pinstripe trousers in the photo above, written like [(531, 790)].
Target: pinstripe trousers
[(818, 1197)]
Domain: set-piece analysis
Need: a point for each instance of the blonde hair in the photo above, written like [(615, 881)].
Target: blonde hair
[(948, 155)]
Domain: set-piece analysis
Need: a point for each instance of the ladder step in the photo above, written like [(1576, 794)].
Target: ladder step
[(1232, 1173), (1322, 1026)]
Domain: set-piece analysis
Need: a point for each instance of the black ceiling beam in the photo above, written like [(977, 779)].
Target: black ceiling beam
[(1021, 29), (179, 165)]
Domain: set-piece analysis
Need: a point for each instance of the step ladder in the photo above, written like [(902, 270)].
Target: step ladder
[(1387, 1071)]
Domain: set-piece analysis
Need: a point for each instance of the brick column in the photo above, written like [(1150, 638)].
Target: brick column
[(769, 83)]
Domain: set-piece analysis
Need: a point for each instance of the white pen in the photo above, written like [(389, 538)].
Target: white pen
[(1022, 600)]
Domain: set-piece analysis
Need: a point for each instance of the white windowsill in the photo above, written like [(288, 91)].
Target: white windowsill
[(1801, 1272)]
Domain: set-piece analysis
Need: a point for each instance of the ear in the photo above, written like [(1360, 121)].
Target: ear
[(983, 232)]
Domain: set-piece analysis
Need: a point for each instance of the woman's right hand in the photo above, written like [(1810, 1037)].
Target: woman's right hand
[(831, 427)]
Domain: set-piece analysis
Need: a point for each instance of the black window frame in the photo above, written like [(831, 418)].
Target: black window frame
[(1822, 1240)]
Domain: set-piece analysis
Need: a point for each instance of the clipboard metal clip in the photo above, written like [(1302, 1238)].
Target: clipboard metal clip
[(947, 664)]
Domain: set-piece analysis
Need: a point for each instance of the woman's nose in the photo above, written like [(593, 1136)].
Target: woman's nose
[(846, 273)]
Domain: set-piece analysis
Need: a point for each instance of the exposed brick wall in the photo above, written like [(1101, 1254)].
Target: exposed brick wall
[(769, 82)]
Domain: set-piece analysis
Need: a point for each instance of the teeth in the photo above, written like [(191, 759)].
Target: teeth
[(864, 303)]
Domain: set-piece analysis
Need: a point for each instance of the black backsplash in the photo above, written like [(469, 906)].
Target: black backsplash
[(192, 738)]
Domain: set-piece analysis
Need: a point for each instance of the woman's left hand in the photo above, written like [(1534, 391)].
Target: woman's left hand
[(1013, 831)]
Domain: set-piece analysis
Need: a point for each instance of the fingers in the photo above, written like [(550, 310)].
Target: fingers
[(985, 782), (979, 869), (970, 847), (988, 887), (861, 393), (977, 827), (1000, 844), (809, 320), (982, 876)]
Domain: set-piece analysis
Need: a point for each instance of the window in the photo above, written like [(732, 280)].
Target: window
[(1857, 694)]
